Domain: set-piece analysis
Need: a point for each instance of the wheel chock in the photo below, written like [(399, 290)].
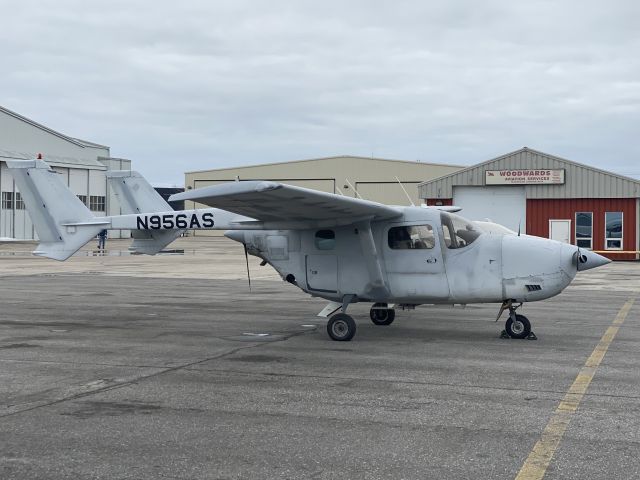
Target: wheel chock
[(532, 336), (504, 334)]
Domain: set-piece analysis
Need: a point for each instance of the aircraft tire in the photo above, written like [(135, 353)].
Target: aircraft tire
[(341, 327), (382, 317), (520, 329)]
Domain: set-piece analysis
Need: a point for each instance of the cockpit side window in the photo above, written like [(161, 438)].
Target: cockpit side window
[(411, 237), (325, 239), (458, 232)]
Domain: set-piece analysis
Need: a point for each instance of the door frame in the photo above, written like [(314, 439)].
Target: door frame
[(565, 220)]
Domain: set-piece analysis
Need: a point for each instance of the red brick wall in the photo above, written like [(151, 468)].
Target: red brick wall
[(539, 212)]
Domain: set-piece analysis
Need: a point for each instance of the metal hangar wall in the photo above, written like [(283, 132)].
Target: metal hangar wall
[(550, 197), (371, 178), (81, 163)]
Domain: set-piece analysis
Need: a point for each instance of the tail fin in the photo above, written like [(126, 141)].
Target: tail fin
[(136, 195), (63, 222)]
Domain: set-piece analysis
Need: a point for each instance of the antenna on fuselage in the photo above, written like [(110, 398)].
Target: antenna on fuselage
[(405, 192)]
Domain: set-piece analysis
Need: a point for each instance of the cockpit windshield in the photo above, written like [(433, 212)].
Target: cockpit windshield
[(458, 232)]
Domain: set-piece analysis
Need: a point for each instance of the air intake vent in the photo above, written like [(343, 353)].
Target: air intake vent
[(533, 288)]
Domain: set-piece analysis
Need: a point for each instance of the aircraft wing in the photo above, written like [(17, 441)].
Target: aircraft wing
[(280, 204)]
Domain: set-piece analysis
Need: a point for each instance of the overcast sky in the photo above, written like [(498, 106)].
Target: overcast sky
[(178, 86)]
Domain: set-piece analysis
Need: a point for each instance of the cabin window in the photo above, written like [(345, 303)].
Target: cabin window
[(412, 237), (613, 231), (584, 229), (325, 239), (458, 232)]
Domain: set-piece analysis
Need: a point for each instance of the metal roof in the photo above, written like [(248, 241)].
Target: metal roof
[(40, 126), (581, 181), (325, 158), (54, 160)]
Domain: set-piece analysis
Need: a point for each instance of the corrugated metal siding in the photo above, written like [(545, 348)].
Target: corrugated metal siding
[(581, 181), (540, 211)]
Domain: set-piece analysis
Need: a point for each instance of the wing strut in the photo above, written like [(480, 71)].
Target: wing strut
[(377, 286)]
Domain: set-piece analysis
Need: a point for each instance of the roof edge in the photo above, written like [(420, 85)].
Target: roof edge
[(325, 158), (40, 126), (527, 149)]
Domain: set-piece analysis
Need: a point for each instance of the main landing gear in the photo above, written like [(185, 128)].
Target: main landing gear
[(517, 326), (342, 328), (381, 314)]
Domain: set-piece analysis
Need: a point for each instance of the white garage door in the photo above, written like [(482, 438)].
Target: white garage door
[(504, 205)]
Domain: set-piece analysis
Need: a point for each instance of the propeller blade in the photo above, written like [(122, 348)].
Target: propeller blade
[(246, 257)]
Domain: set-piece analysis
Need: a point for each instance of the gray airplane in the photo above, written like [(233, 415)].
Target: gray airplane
[(345, 250)]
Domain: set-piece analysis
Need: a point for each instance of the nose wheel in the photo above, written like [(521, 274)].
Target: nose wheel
[(381, 315), (517, 326)]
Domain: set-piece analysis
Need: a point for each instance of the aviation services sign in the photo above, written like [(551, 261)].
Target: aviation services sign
[(523, 177)]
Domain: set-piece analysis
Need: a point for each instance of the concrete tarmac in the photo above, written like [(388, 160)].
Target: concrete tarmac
[(120, 366)]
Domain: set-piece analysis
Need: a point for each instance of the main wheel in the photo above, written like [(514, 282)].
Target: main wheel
[(341, 327), (521, 328), (382, 316)]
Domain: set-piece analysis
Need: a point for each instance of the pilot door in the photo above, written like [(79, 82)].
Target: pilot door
[(414, 263)]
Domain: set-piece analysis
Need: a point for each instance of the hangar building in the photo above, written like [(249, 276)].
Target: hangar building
[(372, 178), (549, 197), (82, 164)]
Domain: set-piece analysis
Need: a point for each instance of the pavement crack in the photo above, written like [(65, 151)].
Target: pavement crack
[(186, 366)]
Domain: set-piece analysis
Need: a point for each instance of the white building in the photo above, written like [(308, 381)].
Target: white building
[(83, 165)]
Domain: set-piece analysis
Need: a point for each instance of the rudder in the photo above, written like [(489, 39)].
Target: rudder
[(64, 224)]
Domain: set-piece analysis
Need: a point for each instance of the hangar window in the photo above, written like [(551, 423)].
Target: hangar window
[(19, 202), (409, 237), (7, 200), (96, 203), (83, 198), (613, 230), (584, 229), (458, 232), (325, 239)]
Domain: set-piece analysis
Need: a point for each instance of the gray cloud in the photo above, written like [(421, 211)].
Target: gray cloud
[(199, 84)]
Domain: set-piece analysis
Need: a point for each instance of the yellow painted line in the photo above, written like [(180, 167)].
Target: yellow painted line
[(538, 460)]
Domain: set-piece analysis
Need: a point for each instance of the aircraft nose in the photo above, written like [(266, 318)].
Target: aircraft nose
[(588, 260)]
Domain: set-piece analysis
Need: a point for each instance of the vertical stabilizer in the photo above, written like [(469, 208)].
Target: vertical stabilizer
[(135, 196), (63, 222)]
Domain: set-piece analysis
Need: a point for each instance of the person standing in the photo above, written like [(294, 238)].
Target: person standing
[(102, 239)]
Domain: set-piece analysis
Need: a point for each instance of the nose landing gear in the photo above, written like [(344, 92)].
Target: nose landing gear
[(517, 326)]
